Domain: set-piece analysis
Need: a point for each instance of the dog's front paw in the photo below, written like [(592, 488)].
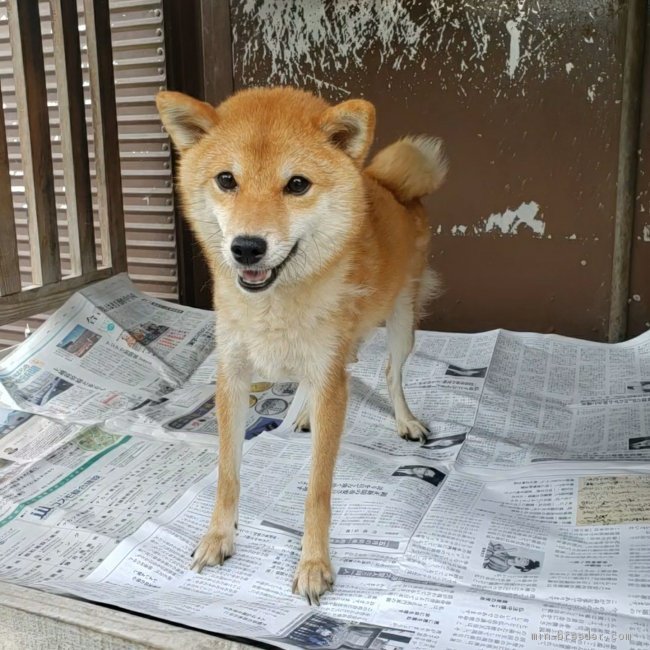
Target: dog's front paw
[(412, 430), (312, 579), (215, 547)]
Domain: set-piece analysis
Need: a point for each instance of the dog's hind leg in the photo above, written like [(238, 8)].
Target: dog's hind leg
[(302, 421), (233, 387), (400, 328)]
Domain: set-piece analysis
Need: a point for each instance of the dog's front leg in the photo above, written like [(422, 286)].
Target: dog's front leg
[(328, 403), (233, 387)]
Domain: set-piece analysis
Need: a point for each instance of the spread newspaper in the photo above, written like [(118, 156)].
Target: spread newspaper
[(522, 522)]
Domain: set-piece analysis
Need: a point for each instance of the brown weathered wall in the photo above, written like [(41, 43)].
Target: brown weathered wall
[(525, 95)]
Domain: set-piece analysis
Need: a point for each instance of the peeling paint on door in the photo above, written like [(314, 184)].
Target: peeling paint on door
[(289, 39), (509, 221)]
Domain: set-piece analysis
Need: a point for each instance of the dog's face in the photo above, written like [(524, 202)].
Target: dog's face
[(270, 180)]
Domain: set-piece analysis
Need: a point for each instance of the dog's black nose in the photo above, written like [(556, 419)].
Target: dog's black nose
[(248, 250)]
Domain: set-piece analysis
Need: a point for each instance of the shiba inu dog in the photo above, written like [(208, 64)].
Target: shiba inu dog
[(308, 251)]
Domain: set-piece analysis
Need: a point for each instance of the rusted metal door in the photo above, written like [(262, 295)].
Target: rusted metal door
[(527, 96)]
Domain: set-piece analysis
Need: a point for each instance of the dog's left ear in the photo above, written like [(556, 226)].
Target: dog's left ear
[(350, 126)]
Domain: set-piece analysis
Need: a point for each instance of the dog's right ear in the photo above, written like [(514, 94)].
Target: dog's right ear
[(186, 119)]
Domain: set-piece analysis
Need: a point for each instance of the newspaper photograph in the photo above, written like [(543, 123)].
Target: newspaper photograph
[(188, 413), (522, 521), (25, 437)]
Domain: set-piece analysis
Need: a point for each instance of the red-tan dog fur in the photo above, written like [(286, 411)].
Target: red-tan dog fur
[(343, 249)]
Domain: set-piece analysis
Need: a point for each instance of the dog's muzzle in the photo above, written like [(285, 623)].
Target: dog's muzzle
[(260, 279)]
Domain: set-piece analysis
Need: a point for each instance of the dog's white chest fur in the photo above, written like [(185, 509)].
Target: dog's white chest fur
[(288, 350), (291, 338)]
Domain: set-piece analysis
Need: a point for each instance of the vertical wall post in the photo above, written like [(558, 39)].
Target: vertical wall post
[(627, 167), (199, 62)]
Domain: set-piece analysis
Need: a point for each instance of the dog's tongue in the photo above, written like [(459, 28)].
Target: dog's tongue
[(255, 277)]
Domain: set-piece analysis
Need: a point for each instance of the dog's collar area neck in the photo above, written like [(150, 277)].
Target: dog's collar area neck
[(253, 288)]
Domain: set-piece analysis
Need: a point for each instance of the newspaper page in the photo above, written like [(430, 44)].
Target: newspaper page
[(108, 349), (549, 398), (66, 513), (465, 541), (450, 577), (511, 570)]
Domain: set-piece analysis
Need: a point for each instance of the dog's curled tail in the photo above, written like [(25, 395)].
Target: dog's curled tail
[(411, 167)]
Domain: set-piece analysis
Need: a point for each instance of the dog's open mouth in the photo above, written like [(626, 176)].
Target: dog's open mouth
[(258, 280)]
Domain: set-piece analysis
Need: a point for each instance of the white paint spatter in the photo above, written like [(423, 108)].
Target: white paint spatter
[(480, 37), (508, 222), (312, 43), (569, 66), (515, 52), (299, 37), (646, 232), (591, 93), (515, 26), (320, 84)]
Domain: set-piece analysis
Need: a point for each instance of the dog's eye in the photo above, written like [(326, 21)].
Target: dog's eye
[(226, 181), (297, 185)]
